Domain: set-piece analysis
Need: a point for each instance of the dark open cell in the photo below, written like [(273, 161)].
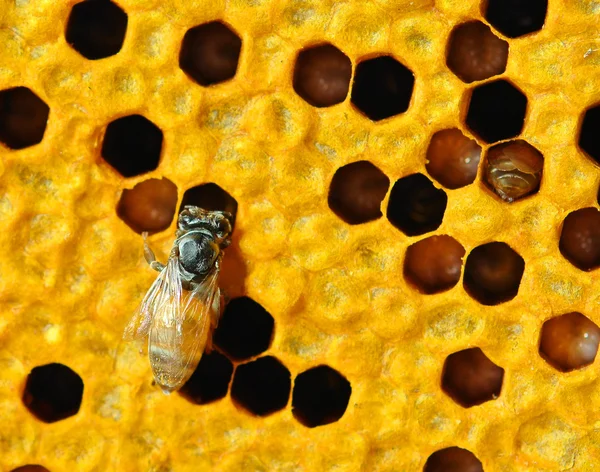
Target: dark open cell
[(210, 380), (322, 75), (416, 207), (210, 197), (475, 53), (30, 468), (320, 396), (496, 111), (53, 392), (210, 53), (262, 386), (589, 136), (453, 459), (23, 118), (514, 18), (580, 238), (493, 273), (96, 28), (132, 145), (382, 88), (470, 378), (356, 192)]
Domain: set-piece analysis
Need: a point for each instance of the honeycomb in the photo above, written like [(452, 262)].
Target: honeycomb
[(412, 283)]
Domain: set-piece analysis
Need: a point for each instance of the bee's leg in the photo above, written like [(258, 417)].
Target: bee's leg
[(217, 307), (149, 255)]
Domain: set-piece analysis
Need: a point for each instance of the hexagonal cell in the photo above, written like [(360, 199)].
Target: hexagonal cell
[(416, 207), (262, 386), (569, 341), (513, 170), (433, 265), (30, 468), (320, 396), (470, 378), (149, 206), (475, 53), (245, 329), (210, 53), (589, 139), (514, 18), (580, 238), (382, 88), (53, 392), (210, 380), (96, 28), (356, 192), (493, 273), (210, 197), (132, 145), (453, 459), (452, 158), (322, 75), (23, 118), (496, 111)]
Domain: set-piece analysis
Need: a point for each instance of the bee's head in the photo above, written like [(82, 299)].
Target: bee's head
[(217, 223)]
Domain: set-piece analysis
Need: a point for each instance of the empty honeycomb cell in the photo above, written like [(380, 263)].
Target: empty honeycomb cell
[(53, 392), (415, 206), (452, 158), (475, 53), (470, 378), (210, 53), (493, 273), (23, 118), (322, 75), (496, 111), (30, 468), (513, 170), (569, 341), (262, 386), (149, 206), (453, 459), (132, 145), (210, 380), (382, 87), (356, 192), (245, 329), (320, 396), (96, 28), (589, 138), (514, 18), (580, 238), (210, 197), (434, 264)]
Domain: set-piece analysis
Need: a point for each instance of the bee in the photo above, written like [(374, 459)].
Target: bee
[(182, 307)]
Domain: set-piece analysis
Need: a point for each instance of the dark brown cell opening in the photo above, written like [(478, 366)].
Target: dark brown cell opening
[(589, 136), (322, 75), (470, 378), (149, 206), (580, 238), (132, 145), (453, 459), (210, 380), (53, 392), (320, 396), (210, 53), (569, 341), (493, 273), (96, 28), (433, 265), (475, 53), (23, 118), (382, 88), (30, 468), (416, 207), (452, 158), (210, 197), (356, 192), (514, 18), (262, 386), (513, 170), (496, 111), (245, 329)]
